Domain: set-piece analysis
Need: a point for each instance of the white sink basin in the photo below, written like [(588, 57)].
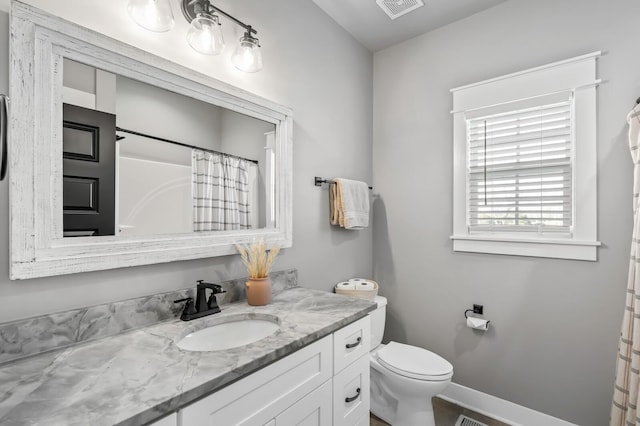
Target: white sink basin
[(230, 334)]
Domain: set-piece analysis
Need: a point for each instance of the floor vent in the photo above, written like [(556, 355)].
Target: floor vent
[(397, 8), (468, 421)]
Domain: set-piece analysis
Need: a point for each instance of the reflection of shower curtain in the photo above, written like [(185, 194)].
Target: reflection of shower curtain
[(624, 410), (220, 192)]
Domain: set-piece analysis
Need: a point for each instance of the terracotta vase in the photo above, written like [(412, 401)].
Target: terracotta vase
[(258, 291)]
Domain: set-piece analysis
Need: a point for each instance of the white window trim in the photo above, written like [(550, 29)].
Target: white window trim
[(577, 75)]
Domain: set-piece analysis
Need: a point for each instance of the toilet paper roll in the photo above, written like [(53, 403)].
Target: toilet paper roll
[(363, 284), (477, 323), (346, 285)]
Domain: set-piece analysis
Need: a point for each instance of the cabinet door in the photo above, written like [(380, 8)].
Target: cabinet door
[(312, 410), (351, 394)]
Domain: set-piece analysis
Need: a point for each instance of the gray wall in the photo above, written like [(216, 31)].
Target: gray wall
[(311, 65), (553, 343)]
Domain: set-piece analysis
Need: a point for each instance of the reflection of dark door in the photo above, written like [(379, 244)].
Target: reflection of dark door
[(89, 141)]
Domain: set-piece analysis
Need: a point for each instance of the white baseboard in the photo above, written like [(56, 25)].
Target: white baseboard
[(497, 408)]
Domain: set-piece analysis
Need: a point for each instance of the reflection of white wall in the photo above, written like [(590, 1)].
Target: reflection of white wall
[(158, 112), (143, 148), (85, 86), (269, 202), (159, 202), (243, 135), (255, 214)]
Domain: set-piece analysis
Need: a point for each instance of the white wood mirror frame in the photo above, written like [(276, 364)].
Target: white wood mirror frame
[(39, 42)]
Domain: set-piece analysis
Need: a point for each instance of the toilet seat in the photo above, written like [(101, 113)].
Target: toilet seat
[(415, 363)]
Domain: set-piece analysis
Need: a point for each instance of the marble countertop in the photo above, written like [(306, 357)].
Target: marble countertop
[(139, 376)]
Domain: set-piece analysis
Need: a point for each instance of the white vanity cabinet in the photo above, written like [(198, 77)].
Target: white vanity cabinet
[(325, 383), (350, 343), (351, 373), (312, 410), (261, 396), (170, 420)]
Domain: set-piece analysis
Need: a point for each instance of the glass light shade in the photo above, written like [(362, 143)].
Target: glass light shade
[(205, 35), (153, 15), (248, 57)]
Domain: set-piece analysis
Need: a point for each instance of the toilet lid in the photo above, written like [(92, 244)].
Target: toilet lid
[(413, 362)]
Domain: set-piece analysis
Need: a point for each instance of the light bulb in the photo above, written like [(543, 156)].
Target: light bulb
[(247, 56), (205, 35), (153, 15)]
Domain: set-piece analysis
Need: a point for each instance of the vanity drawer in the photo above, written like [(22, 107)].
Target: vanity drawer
[(351, 394), (312, 410), (260, 397), (350, 343)]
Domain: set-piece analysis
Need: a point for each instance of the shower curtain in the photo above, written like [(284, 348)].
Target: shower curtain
[(625, 394), (220, 192)]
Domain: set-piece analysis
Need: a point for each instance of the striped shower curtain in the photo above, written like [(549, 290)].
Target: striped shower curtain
[(220, 192), (624, 410)]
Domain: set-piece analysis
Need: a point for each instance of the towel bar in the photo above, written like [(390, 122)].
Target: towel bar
[(319, 181)]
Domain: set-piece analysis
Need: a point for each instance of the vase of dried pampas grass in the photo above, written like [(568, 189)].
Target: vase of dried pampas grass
[(258, 291), (258, 261)]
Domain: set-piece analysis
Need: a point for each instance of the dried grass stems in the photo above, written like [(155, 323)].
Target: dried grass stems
[(257, 259)]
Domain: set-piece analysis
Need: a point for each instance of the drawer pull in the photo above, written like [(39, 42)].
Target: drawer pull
[(353, 345), (354, 397)]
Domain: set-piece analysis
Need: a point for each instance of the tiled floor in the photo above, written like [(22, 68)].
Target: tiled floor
[(446, 414)]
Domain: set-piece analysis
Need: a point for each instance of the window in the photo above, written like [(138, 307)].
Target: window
[(525, 165), (519, 171)]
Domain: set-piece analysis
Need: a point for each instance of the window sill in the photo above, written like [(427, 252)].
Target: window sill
[(517, 246)]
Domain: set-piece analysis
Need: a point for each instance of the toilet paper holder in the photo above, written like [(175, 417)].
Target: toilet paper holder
[(474, 322), (477, 309)]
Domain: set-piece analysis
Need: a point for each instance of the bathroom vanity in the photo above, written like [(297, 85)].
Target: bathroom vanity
[(324, 383), (310, 369)]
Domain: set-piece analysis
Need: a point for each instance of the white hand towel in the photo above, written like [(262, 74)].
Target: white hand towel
[(354, 197), (335, 205)]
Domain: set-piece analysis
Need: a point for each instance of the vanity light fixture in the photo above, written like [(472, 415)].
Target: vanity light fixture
[(152, 15), (247, 56), (205, 33)]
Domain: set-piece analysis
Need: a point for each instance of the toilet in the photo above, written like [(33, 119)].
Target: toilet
[(403, 377)]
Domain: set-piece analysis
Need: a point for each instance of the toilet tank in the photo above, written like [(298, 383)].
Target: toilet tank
[(378, 318)]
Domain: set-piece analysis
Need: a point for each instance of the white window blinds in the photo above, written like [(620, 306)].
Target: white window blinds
[(519, 170)]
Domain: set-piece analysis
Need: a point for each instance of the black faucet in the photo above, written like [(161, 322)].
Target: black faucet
[(202, 307)]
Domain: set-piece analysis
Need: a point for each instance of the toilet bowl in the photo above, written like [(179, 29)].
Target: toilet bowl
[(404, 378)]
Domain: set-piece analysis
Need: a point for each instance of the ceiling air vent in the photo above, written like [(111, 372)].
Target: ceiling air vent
[(397, 8)]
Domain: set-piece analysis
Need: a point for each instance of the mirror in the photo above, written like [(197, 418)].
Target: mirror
[(168, 118), (176, 165)]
